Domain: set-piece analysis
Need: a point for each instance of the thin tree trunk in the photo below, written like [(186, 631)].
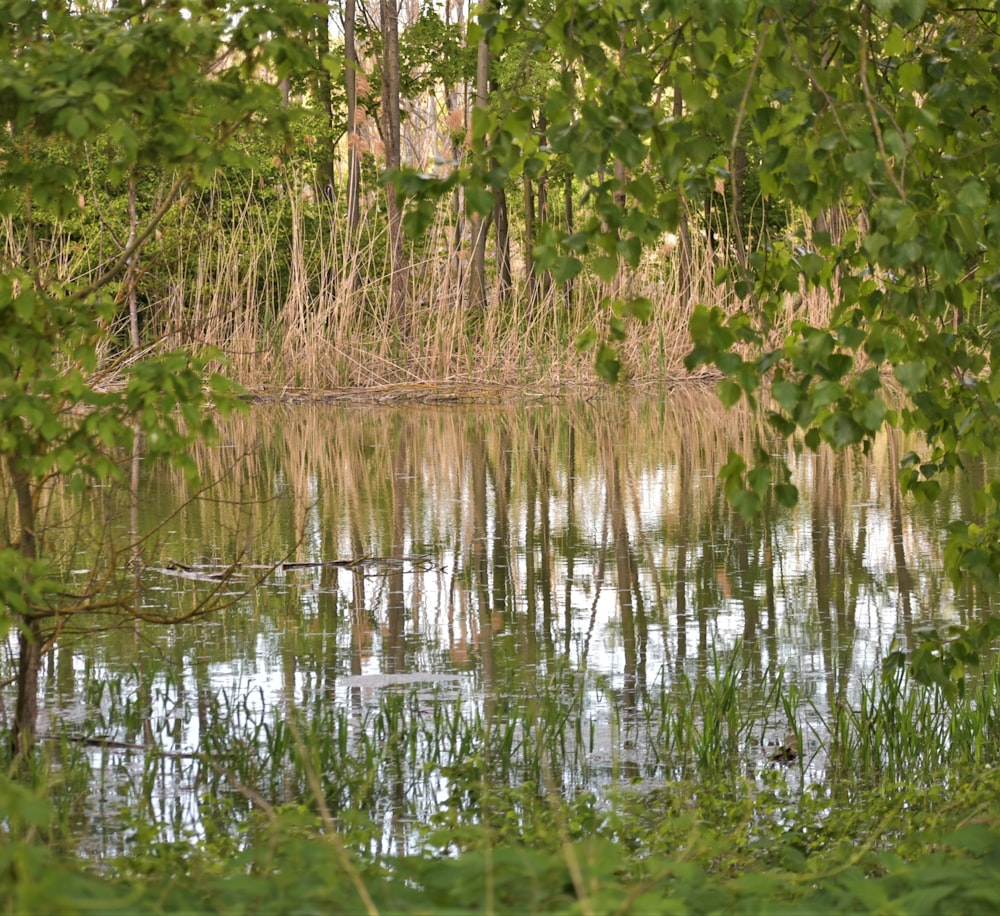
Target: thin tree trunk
[(130, 266), (29, 663), (542, 215), (568, 210), (736, 224), (529, 243), (325, 171), (501, 218), (454, 97), (683, 227), (395, 650), (504, 279), (390, 137), (351, 88), (709, 231), (621, 177), (478, 223)]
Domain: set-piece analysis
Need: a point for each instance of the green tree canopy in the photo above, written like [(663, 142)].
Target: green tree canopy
[(875, 122), (167, 89)]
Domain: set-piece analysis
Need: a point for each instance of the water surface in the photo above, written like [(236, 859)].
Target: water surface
[(457, 555)]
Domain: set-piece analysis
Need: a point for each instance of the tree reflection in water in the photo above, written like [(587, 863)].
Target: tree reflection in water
[(502, 546)]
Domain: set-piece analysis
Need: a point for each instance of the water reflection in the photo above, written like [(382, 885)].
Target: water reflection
[(461, 553)]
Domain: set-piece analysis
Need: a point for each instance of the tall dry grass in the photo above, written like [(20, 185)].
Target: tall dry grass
[(297, 301), (273, 278)]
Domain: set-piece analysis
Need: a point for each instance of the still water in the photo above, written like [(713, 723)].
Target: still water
[(455, 554)]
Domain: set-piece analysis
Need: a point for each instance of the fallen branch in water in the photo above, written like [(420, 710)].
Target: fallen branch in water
[(111, 744), (221, 572)]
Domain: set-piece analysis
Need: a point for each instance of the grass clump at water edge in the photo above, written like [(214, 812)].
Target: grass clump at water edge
[(889, 807)]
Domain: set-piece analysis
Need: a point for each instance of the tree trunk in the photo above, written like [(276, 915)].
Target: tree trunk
[(619, 195), (455, 99), (684, 259), (390, 137), (395, 639), (529, 243), (501, 219), (477, 222), (568, 210), (351, 88), (325, 170), (29, 663), (542, 207), (737, 227), (621, 178), (131, 264), (505, 281)]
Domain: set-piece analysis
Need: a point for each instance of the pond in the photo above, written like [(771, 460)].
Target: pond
[(390, 606)]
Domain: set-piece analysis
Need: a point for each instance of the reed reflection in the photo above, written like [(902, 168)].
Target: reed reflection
[(497, 545), (544, 492), (631, 611)]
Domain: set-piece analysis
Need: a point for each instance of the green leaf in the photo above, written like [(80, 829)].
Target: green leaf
[(586, 339), (972, 195), (418, 220), (480, 200), (482, 122), (606, 267), (731, 473), (640, 307), (759, 480), (787, 394), (914, 10), (607, 363), (841, 430), (911, 375), (786, 494), (334, 65), (811, 264), (644, 190), (566, 268), (825, 393), (729, 392), (850, 337), (871, 414), (860, 164), (747, 503), (77, 126)]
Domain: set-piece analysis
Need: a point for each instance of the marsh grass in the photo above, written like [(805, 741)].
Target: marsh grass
[(259, 268), (428, 797), (437, 765), (274, 279)]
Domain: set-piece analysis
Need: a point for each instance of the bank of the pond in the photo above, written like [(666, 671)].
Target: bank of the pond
[(894, 849), (487, 393), (903, 816)]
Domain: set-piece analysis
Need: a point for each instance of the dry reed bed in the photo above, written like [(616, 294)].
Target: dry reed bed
[(295, 301)]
